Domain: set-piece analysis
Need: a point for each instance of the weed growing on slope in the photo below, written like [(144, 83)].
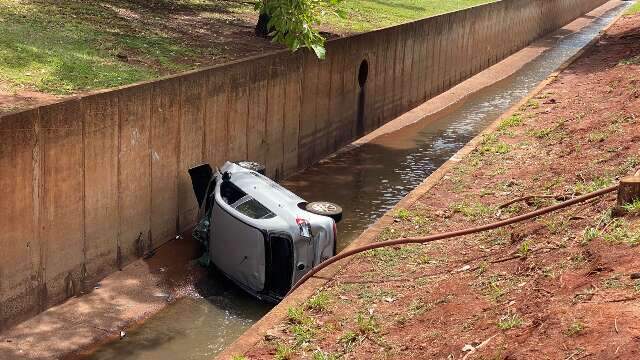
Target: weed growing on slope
[(417, 307), (303, 327), (632, 208), (628, 166), (556, 226), (575, 328), (541, 133), (634, 60), (402, 214), (491, 145), (509, 321), (598, 183), (471, 210), (532, 104), (284, 352), (512, 121), (525, 248), (597, 136), (348, 340), (321, 355), (319, 302), (367, 324), (620, 232), (612, 283), (589, 234)]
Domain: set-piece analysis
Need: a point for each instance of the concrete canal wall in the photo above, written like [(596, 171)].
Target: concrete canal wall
[(91, 183)]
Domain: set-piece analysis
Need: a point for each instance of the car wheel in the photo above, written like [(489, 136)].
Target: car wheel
[(325, 208), (252, 165)]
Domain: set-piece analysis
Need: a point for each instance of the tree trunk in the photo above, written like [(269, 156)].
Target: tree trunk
[(629, 190), (261, 26)]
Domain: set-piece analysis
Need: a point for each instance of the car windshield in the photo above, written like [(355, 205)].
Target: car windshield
[(253, 209), (243, 203)]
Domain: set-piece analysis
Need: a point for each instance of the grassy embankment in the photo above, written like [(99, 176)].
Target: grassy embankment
[(62, 47)]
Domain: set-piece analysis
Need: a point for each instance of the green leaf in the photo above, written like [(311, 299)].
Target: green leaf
[(292, 22), (319, 50)]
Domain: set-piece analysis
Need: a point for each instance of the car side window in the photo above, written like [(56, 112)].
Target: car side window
[(230, 193)]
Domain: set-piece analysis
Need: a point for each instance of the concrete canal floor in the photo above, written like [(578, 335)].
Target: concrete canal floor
[(166, 307)]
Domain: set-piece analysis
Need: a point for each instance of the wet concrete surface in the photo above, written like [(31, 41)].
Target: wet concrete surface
[(209, 312)]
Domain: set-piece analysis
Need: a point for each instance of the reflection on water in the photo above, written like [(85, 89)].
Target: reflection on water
[(205, 327), (192, 328), (367, 181)]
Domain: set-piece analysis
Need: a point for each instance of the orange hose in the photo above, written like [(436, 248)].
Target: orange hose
[(452, 234)]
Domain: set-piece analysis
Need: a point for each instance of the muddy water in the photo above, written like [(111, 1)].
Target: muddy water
[(367, 181)]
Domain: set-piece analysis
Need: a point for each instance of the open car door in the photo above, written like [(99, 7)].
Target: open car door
[(200, 179)]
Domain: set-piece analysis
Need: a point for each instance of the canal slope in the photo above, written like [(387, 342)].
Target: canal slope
[(562, 286)]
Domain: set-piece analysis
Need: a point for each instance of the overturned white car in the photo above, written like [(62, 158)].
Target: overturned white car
[(259, 234)]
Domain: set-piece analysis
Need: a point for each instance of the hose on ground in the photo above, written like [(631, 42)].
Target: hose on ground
[(452, 234)]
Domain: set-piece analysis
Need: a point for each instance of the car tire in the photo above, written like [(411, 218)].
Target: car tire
[(252, 165), (325, 208)]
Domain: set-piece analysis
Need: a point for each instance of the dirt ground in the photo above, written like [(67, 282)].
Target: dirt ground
[(563, 286)]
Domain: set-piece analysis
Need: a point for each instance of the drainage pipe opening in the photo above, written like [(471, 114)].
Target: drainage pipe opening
[(363, 73)]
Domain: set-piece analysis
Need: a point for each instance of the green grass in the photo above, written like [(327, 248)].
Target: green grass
[(512, 121), (589, 234), (56, 56), (301, 325), (284, 352), (634, 9), (471, 210), (367, 324), (67, 46), (491, 145), (621, 232), (320, 355), (584, 187), (575, 328), (525, 248), (632, 208), (364, 15), (348, 340), (297, 316), (319, 302), (402, 214), (509, 321), (541, 133)]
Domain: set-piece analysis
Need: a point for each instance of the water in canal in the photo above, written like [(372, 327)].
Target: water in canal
[(367, 181)]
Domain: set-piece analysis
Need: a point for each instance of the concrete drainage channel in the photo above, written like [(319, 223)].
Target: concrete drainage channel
[(368, 181)]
